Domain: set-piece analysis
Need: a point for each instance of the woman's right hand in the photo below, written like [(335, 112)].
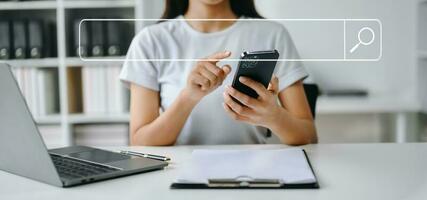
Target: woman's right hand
[(207, 76)]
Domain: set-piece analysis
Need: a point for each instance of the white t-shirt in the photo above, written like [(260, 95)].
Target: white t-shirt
[(208, 122)]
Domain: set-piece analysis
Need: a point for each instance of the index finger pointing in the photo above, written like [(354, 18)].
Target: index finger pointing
[(219, 56)]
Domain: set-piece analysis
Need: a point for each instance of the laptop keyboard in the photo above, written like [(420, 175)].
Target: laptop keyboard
[(72, 168)]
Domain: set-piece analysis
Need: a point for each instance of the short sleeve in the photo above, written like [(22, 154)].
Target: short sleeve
[(136, 68), (288, 72)]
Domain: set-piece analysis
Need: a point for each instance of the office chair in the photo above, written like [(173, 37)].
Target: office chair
[(311, 92)]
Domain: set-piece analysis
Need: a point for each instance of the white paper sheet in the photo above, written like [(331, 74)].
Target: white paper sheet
[(289, 166)]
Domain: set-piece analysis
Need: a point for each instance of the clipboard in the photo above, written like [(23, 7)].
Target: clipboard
[(249, 184)]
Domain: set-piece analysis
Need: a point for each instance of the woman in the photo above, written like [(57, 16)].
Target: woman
[(195, 97)]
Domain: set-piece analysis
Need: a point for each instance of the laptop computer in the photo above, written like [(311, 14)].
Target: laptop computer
[(23, 152)]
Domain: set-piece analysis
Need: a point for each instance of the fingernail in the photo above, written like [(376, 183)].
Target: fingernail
[(242, 79)]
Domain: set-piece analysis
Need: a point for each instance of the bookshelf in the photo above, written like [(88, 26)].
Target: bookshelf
[(62, 13)]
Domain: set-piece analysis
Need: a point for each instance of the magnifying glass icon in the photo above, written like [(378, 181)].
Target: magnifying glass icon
[(362, 42)]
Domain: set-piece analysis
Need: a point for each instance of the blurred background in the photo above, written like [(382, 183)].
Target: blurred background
[(78, 102)]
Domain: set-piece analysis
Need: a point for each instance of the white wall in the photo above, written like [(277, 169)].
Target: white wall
[(394, 75)]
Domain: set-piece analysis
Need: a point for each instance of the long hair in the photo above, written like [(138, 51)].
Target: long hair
[(175, 8)]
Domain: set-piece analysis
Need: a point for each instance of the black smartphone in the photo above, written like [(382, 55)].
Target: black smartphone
[(258, 66)]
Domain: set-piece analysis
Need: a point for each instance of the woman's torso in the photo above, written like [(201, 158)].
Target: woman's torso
[(208, 122)]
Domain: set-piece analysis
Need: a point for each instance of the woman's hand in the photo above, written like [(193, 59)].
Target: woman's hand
[(207, 76), (263, 111)]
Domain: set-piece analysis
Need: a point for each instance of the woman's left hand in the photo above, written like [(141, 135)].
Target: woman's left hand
[(263, 111)]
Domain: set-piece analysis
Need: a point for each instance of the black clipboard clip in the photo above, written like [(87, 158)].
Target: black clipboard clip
[(244, 182)]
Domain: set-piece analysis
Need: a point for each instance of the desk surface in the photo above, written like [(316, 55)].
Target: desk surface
[(345, 171)]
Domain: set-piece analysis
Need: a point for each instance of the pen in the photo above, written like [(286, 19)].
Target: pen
[(145, 155)]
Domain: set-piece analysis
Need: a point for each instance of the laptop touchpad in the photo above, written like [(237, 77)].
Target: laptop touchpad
[(99, 156)]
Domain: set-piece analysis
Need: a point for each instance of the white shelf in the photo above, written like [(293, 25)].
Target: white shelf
[(50, 119), (42, 62), (93, 119), (28, 5), (77, 62), (343, 105), (72, 4)]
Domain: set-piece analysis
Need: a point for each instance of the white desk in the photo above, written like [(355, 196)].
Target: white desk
[(345, 171)]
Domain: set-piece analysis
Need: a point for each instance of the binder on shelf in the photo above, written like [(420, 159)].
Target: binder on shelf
[(114, 37), (35, 38), (246, 169), (32, 83), (48, 91), (74, 85), (97, 38), (81, 49), (5, 40), (94, 89), (50, 40), (117, 99), (87, 89), (101, 89), (19, 39)]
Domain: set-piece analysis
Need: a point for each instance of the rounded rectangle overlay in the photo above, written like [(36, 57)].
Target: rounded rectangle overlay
[(348, 47)]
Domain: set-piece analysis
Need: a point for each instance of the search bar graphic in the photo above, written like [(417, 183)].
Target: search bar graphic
[(317, 40)]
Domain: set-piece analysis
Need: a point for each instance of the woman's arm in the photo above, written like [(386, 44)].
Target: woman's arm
[(149, 127), (291, 121), (296, 125)]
